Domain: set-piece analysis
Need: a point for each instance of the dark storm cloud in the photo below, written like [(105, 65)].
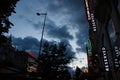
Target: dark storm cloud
[(60, 33), (74, 9), (37, 25), (28, 43), (61, 5), (80, 19), (82, 41), (52, 30), (31, 44), (82, 36)]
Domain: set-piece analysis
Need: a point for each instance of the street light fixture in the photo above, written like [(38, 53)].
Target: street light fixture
[(39, 14)]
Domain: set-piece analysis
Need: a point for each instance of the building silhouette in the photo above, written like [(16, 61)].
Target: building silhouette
[(13, 60), (103, 53)]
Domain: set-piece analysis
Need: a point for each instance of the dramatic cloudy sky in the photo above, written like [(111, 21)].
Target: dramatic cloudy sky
[(66, 21)]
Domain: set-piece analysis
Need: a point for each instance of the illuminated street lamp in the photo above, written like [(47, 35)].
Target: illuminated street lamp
[(39, 14)]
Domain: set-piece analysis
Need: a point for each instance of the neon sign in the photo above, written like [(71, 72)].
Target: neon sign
[(89, 48), (105, 58), (90, 15), (87, 10), (93, 22), (117, 53)]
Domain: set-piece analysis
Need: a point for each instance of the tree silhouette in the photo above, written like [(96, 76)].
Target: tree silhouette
[(8, 54), (78, 74), (53, 62), (7, 7)]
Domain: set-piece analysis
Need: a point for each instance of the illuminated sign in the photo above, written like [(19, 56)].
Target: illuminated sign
[(93, 22), (117, 53), (90, 15), (87, 10), (89, 45), (105, 58)]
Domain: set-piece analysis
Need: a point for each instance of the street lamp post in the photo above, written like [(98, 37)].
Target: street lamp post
[(45, 14)]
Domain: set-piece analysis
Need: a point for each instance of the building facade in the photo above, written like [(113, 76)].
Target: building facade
[(103, 53)]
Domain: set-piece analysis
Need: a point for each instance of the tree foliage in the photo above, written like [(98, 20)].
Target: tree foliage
[(9, 56), (7, 7), (54, 60)]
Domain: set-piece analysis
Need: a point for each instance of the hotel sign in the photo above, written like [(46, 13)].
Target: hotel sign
[(117, 55), (90, 15), (105, 59)]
